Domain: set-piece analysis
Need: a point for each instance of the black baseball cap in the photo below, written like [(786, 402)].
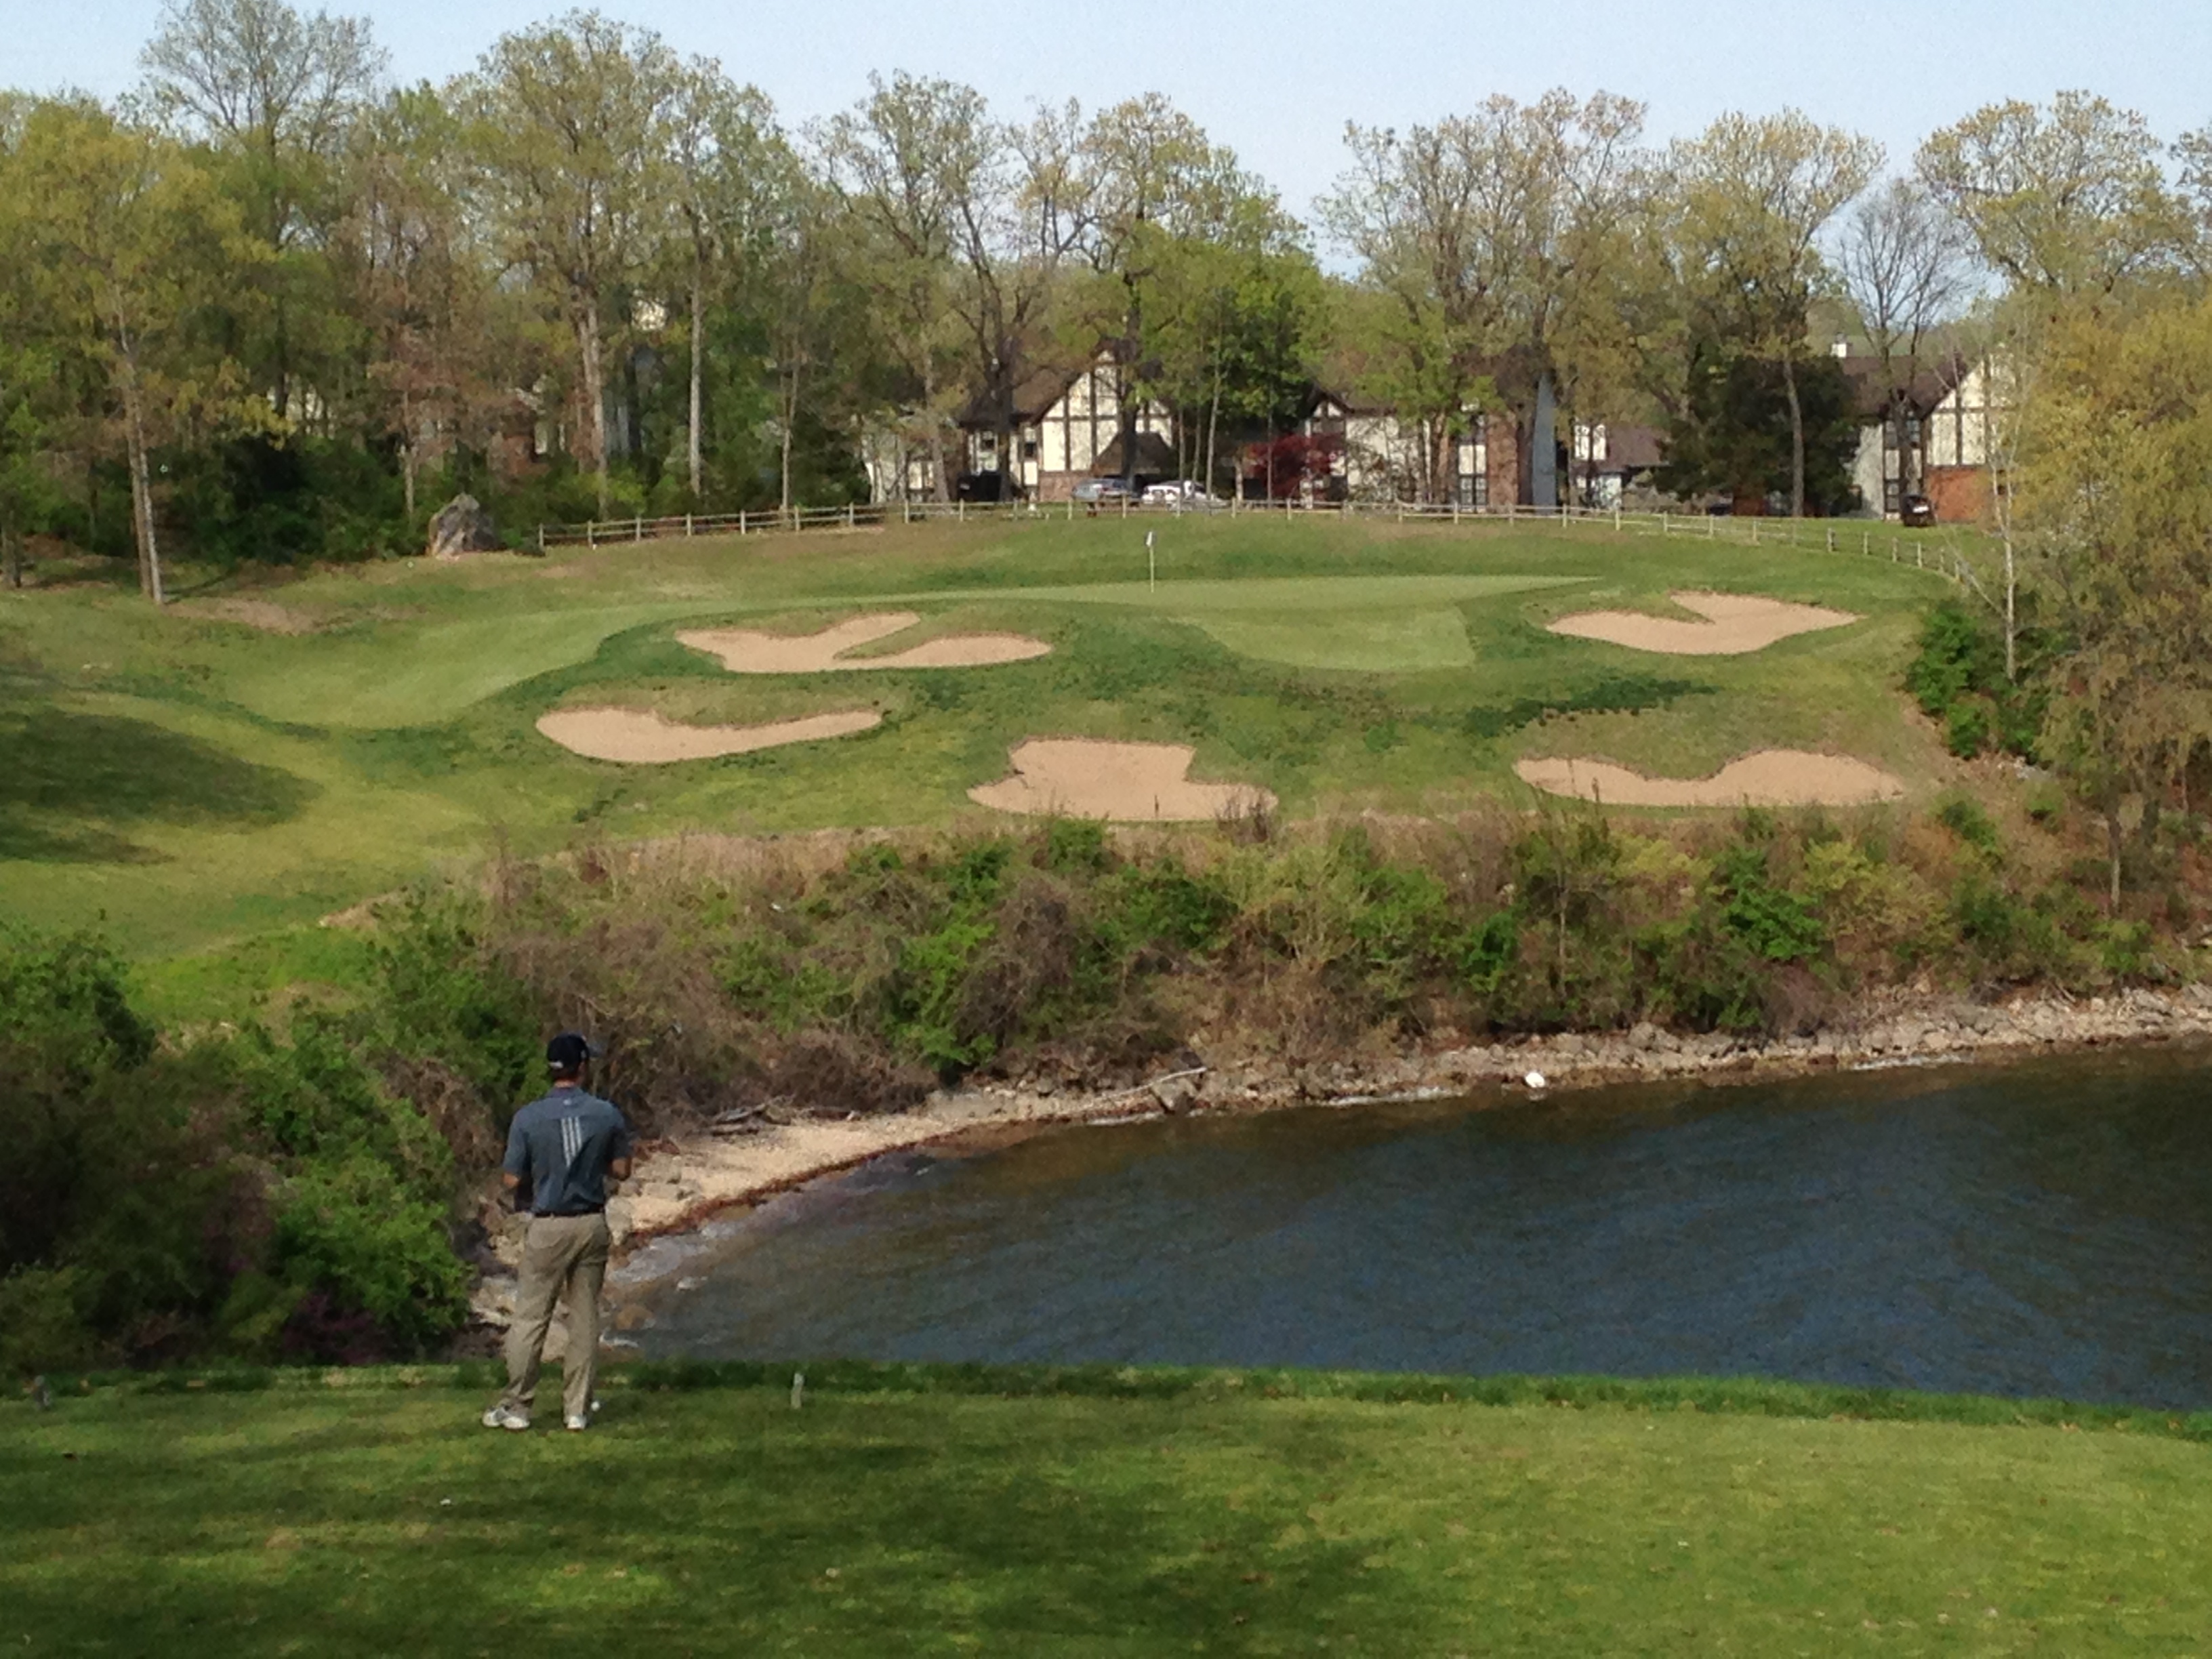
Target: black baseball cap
[(570, 1050)]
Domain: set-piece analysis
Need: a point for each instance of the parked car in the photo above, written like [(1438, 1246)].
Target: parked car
[(1918, 512), (1094, 492), (1184, 495)]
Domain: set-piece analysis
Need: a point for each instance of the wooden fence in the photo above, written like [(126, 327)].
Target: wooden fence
[(1861, 537)]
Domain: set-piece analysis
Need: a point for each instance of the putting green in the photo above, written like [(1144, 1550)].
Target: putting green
[(1371, 624)]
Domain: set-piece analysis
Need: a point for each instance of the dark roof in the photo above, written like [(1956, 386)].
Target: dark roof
[(1632, 448), (1036, 392), (1871, 388), (1350, 402), (1155, 459)]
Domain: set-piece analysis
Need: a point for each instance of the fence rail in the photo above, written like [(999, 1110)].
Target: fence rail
[(1834, 536)]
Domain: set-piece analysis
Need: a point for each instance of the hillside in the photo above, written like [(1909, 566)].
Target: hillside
[(257, 758)]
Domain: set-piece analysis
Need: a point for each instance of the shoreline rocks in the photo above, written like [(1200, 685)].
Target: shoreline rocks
[(683, 1183)]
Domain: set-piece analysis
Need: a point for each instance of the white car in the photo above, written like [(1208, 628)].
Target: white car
[(1184, 495)]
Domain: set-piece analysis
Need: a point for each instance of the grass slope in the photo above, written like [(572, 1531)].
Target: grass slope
[(1130, 1514), (189, 779)]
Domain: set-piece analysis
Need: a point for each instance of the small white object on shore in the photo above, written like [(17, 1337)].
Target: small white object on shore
[(1535, 1079)]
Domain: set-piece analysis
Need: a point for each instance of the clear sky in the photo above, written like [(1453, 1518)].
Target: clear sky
[(1277, 80)]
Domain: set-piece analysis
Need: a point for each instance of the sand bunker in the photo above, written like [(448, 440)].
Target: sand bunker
[(1130, 782), (637, 737), (1771, 777), (744, 652), (1735, 624)]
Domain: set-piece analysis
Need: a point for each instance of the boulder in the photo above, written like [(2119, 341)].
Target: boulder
[(462, 526)]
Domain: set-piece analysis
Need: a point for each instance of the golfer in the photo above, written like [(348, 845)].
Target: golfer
[(564, 1147)]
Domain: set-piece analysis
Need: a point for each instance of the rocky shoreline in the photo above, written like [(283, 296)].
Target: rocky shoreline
[(682, 1182)]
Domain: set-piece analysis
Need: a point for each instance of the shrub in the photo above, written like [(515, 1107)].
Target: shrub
[(42, 1322), (1966, 728), (1964, 817), (1957, 677), (1775, 925), (354, 1234)]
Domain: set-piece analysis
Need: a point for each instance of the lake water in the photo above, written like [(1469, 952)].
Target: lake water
[(2042, 1228)]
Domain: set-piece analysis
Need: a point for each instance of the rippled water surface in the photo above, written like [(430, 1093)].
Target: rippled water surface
[(2035, 1230)]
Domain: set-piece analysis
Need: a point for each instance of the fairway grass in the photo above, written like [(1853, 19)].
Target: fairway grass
[(1146, 1519), (189, 780)]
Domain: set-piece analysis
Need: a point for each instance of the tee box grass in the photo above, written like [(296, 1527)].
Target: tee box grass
[(927, 1513), (252, 761)]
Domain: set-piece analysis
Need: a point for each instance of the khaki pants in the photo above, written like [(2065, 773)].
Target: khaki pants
[(562, 1254)]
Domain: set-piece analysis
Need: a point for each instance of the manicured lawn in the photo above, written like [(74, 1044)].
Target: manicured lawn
[(189, 780), (1197, 1517)]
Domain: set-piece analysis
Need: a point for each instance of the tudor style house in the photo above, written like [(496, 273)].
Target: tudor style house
[(1067, 427), (1941, 447), (1380, 455)]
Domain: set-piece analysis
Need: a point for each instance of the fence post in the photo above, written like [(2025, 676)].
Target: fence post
[(591, 533), (637, 528), (1831, 538), (1755, 532), (1710, 532), (960, 512), (1616, 517), (741, 521), (1919, 557), (687, 527), (1663, 532), (848, 515), (541, 541), (1866, 542)]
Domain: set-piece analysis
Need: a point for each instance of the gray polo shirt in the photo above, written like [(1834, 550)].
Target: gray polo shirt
[(559, 1147)]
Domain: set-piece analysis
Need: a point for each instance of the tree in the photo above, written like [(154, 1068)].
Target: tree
[(734, 176), (2069, 200), (1734, 429), (2119, 488), (571, 131), (131, 244), (1233, 330), (911, 163), (1754, 195), (1902, 263), (28, 365), (274, 94), (1152, 181), (797, 287), (416, 279), (1496, 236), (2194, 150)]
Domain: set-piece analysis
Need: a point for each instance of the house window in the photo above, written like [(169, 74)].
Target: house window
[(1893, 497), (1029, 449)]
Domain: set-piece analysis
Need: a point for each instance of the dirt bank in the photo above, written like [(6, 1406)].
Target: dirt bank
[(681, 1183)]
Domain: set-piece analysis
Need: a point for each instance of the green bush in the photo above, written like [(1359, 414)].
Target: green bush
[(1957, 677), (42, 1322), (163, 1200), (353, 1232), (1966, 728), (1964, 817), (1775, 925)]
